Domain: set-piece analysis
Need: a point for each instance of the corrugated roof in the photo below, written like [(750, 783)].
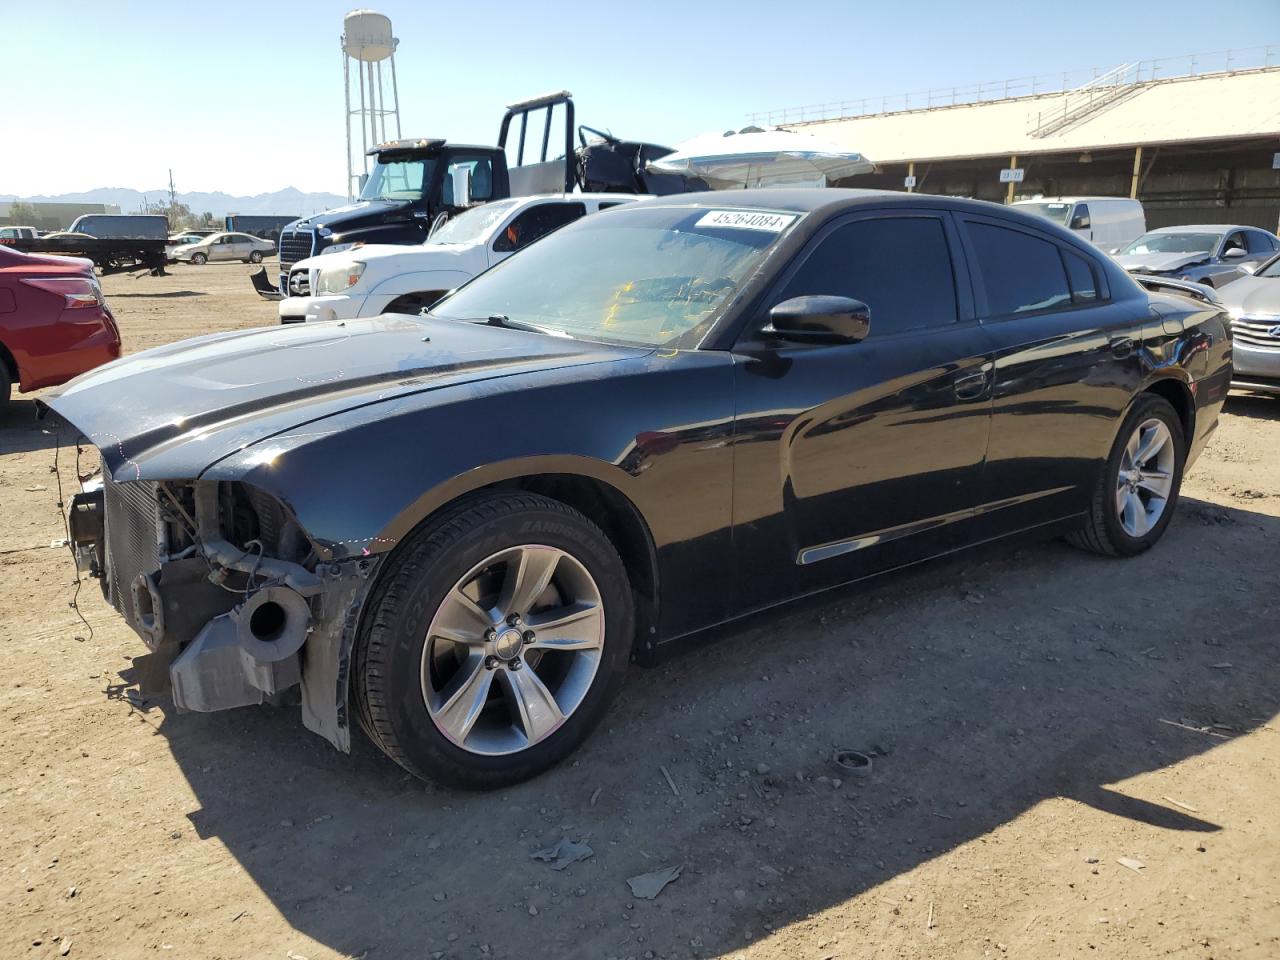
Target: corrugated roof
[(1213, 107)]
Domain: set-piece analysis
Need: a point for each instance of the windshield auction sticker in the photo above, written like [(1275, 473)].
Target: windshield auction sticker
[(747, 220)]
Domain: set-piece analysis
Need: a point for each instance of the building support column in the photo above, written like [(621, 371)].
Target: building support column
[(1013, 163), (1137, 172), (911, 172)]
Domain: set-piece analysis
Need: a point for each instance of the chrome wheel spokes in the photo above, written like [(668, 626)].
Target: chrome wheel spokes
[(513, 649), (1144, 481)]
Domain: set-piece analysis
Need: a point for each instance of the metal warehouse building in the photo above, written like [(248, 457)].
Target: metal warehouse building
[(1196, 139)]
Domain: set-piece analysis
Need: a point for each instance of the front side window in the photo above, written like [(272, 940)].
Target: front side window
[(900, 267), (1080, 220), (402, 178), (1020, 273), (1234, 241), (536, 222), (480, 171), (645, 274)]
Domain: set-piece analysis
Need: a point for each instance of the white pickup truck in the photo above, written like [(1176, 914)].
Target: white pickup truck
[(364, 281)]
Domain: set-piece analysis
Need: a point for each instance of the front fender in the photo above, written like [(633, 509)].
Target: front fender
[(419, 282)]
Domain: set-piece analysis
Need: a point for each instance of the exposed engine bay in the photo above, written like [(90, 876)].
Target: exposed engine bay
[(226, 590)]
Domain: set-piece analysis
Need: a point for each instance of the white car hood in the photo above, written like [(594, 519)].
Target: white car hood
[(407, 258)]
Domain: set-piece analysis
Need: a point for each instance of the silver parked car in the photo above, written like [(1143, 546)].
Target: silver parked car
[(1254, 305), (226, 246), (1208, 253)]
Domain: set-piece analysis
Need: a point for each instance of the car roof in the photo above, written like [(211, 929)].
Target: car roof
[(1093, 199), (1204, 228), (827, 201)]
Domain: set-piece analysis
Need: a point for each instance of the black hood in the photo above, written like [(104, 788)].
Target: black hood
[(171, 412), (361, 213)]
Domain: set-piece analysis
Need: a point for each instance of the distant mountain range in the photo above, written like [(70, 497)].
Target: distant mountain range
[(281, 202)]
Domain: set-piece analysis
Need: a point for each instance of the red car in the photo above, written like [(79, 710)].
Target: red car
[(54, 323)]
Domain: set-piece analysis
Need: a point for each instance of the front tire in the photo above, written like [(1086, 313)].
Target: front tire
[(199, 259), (255, 256), (494, 641), (1138, 487)]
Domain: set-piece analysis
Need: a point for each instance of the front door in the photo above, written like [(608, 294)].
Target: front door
[(850, 459)]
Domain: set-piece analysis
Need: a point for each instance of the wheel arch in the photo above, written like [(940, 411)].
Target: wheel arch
[(9, 364), (1179, 395), (581, 483)]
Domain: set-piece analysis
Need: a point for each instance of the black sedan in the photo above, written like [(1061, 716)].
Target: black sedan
[(459, 527)]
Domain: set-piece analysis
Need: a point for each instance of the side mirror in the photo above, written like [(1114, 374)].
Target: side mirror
[(461, 187), (820, 320), (1235, 253), (1080, 223)]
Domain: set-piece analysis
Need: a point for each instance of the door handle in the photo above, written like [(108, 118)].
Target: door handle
[(971, 386), (1122, 347)]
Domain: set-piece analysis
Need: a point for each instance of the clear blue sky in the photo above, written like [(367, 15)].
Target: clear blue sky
[(247, 97)]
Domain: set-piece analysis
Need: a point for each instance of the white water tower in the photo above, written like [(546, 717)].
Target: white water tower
[(369, 48)]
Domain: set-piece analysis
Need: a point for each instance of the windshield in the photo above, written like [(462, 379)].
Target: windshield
[(399, 179), (640, 275), (1173, 243), (1057, 212), (1270, 269), (473, 225)]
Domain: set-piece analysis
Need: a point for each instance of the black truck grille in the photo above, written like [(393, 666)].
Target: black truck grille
[(295, 245), (133, 531)]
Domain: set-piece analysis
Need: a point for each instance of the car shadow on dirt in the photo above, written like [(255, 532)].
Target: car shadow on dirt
[(21, 431), (1254, 406), (163, 295), (978, 687)]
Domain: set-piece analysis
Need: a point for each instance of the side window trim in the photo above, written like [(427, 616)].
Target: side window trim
[(964, 293), (982, 308)]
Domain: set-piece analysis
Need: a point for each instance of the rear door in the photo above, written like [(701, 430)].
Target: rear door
[(1067, 360), (854, 458)]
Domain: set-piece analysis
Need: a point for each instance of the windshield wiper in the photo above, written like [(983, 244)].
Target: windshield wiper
[(502, 320)]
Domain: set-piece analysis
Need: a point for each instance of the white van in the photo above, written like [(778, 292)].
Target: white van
[(1106, 222)]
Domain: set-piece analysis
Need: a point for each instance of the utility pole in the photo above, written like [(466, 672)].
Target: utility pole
[(172, 195)]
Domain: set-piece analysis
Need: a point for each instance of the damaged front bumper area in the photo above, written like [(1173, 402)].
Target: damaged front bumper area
[(227, 591)]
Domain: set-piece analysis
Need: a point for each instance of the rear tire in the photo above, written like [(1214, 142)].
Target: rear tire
[(1138, 486), (448, 686), (6, 385)]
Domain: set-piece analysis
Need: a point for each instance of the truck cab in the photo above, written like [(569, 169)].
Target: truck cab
[(417, 184), (413, 184)]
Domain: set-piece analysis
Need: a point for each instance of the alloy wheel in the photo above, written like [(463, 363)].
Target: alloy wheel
[(1145, 478), (513, 649)]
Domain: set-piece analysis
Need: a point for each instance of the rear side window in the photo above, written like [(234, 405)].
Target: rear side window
[(898, 266), (1258, 242), (1020, 273), (535, 223), (1084, 284)]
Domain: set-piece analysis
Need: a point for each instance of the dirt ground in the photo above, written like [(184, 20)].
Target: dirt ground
[(1072, 757)]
